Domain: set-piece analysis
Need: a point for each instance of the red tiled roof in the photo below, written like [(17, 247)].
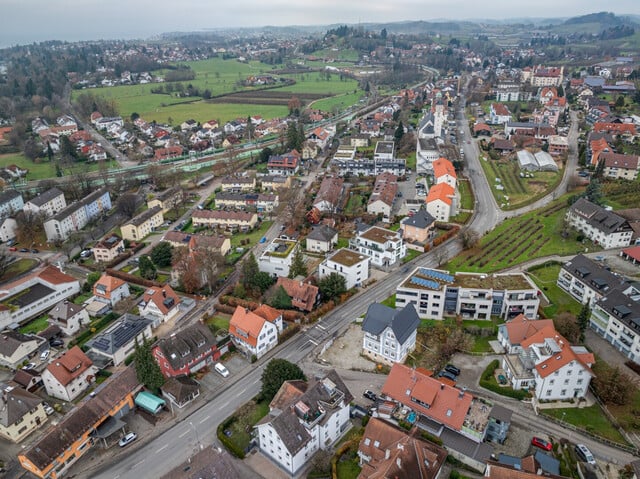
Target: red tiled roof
[(303, 295), (158, 295), (109, 282), (617, 128), (53, 275), (69, 366), (442, 167), (521, 328), (633, 252), (246, 326), (500, 109), (267, 312), (442, 192)]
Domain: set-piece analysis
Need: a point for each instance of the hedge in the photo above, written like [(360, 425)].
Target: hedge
[(226, 442), (518, 394)]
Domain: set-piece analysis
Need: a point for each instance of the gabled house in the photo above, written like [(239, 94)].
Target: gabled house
[(70, 317), (385, 247), (160, 304), (110, 290), (186, 351), (586, 280), (251, 333), (304, 418), (69, 375), (229, 220), (10, 203), (284, 165), (180, 391), (603, 227), (512, 333), (304, 296), (118, 341), (499, 114), (386, 451), (444, 172), (16, 348), (21, 413), (441, 202), (108, 248), (143, 224), (238, 183), (389, 334), (329, 194), (620, 166), (48, 203), (28, 379), (168, 199), (270, 314), (418, 227), (351, 265), (383, 196), (322, 239)]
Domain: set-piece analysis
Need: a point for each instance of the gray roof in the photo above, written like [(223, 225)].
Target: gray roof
[(180, 387), (65, 310), (182, 347), (621, 307), (592, 274), (119, 334), (15, 403), (209, 463), (599, 218), (322, 233), (547, 463), (291, 431), (8, 195), (421, 219), (46, 197), (168, 194), (68, 211), (10, 341), (501, 413), (145, 215), (91, 197), (402, 322)]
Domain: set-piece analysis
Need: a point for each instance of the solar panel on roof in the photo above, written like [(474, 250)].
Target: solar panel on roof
[(437, 275), (427, 283)]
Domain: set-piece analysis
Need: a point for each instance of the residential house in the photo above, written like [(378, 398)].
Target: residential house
[(262, 203), (499, 114), (277, 257), (10, 203), (618, 129), (586, 280), (28, 379), (54, 453), (603, 227), (389, 334), (329, 194), (436, 294), (143, 224), (34, 293), (160, 303), (304, 296), (616, 317), (108, 248), (168, 199), (444, 172), (441, 202), (251, 333), (547, 76), (77, 215), (322, 239), (304, 418), (417, 228), (270, 314), (558, 145), (70, 317), (228, 220), (383, 196), (8, 229), (620, 166), (216, 243), (550, 366), (21, 413), (238, 183), (16, 348), (284, 165), (275, 183), (502, 146), (321, 137), (48, 203), (69, 375), (186, 351), (171, 151), (387, 451), (528, 468), (310, 150), (512, 333), (110, 290), (384, 247), (351, 265), (118, 341), (180, 391)]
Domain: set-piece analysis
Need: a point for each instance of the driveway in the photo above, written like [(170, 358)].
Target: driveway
[(344, 352), (609, 354), (471, 368)]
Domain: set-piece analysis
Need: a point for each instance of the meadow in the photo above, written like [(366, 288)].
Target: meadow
[(45, 169)]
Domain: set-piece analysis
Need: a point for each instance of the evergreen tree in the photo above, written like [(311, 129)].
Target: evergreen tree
[(147, 268), (298, 266), (161, 254), (332, 286), (399, 133), (280, 299), (583, 320), (147, 369), (249, 272), (275, 374)]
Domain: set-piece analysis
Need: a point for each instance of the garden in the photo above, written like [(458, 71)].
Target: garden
[(545, 277), (535, 234)]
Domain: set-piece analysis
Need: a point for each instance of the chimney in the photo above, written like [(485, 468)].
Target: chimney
[(460, 394), (387, 454), (399, 463), (441, 386), (164, 293)]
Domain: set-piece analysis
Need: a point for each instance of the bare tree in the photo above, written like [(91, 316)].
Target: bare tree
[(5, 261), (28, 226), (127, 204), (470, 238)]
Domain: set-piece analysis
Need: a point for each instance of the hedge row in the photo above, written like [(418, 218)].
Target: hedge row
[(287, 333), (131, 278), (226, 442)]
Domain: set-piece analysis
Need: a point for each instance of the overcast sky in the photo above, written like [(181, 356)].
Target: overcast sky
[(25, 21)]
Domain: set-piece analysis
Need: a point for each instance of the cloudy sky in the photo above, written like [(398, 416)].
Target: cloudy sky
[(25, 21)]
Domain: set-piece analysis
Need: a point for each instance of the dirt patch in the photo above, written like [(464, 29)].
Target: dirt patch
[(536, 187), (345, 352)]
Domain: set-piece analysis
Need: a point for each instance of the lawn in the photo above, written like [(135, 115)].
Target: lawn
[(220, 321), (45, 169), (316, 83), (243, 421), (253, 237), (411, 253), (348, 469), (346, 54), (545, 277), (390, 301), (355, 205), (18, 267), (591, 418), (337, 103), (533, 235), (35, 326), (342, 243), (466, 195)]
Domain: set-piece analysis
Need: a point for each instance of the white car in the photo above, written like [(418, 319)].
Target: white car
[(585, 454), (221, 369), (128, 438), (45, 355), (48, 409)]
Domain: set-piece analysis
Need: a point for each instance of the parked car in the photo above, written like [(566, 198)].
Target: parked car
[(86, 253), (56, 342), (24, 250), (29, 366), (48, 409), (127, 439), (13, 248), (370, 395), (452, 369), (35, 250), (541, 443), (584, 454), (44, 355), (221, 369), (447, 375)]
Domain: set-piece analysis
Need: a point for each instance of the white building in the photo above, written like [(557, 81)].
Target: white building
[(384, 247), (444, 172), (10, 203), (441, 201), (160, 304), (118, 341), (277, 257), (251, 333), (48, 203), (603, 227), (70, 317), (322, 239), (586, 280), (351, 265), (389, 334), (383, 196), (549, 365), (77, 215), (304, 419), (436, 294), (427, 152), (69, 375), (8, 229)]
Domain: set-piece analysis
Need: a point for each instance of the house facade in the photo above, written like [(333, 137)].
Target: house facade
[(384, 247), (277, 257), (108, 248), (251, 333), (322, 239), (160, 304), (16, 348), (10, 203), (436, 294), (168, 199), (304, 296), (118, 341), (351, 265), (21, 413), (417, 228), (238, 183), (143, 224), (70, 317), (441, 202), (603, 227), (186, 351), (586, 280), (110, 290), (48, 203), (383, 196), (69, 375), (389, 334), (229, 220)]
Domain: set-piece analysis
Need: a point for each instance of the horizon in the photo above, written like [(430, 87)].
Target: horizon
[(78, 22)]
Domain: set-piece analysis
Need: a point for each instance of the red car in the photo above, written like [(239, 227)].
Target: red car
[(13, 248), (541, 443)]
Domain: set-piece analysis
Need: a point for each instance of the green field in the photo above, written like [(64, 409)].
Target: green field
[(45, 169), (345, 54), (590, 418), (337, 103), (545, 277), (315, 82), (203, 111)]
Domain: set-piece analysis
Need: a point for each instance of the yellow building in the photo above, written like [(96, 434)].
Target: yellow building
[(143, 224)]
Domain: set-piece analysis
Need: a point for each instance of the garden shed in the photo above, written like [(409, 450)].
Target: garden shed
[(149, 402)]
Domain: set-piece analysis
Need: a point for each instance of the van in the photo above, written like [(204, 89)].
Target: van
[(584, 454), (220, 369)]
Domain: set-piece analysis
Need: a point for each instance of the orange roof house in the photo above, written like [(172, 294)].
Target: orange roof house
[(514, 332), (251, 333), (442, 192), (111, 290), (304, 296), (270, 314), (69, 375), (444, 172), (615, 128), (440, 201), (160, 302)]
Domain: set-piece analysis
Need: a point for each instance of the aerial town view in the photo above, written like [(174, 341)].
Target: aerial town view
[(272, 240)]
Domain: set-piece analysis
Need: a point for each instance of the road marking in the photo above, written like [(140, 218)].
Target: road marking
[(313, 342), (240, 392), (321, 327), (162, 448), (224, 405), (184, 434), (205, 419), (138, 464)]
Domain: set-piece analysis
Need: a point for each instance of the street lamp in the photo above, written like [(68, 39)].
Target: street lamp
[(196, 433)]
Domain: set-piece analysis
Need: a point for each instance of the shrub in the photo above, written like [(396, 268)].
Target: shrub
[(226, 442)]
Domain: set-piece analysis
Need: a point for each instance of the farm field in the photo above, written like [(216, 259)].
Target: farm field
[(45, 169), (532, 235), (517, 189), (337, 54), (337, 103)]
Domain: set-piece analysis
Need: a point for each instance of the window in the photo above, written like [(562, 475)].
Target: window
[(563, 392), (548, 393)]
